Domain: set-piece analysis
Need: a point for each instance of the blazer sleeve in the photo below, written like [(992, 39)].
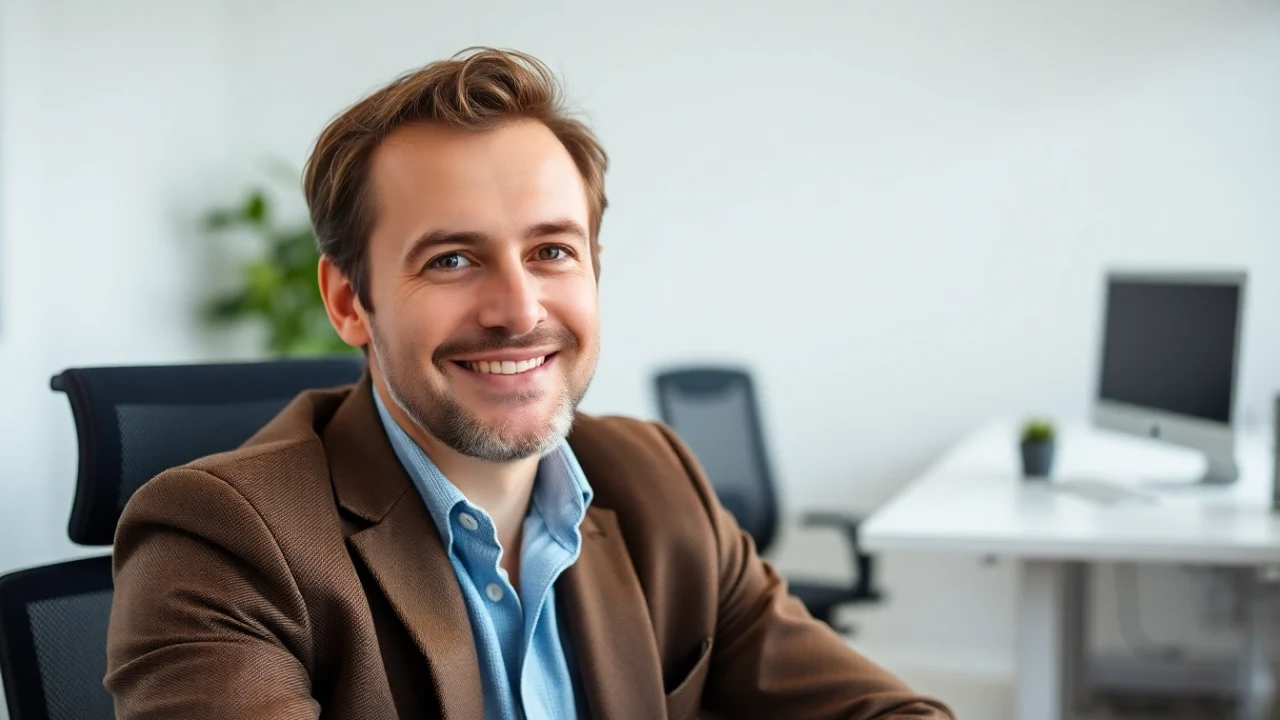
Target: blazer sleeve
[(770, 657), (206, 621)]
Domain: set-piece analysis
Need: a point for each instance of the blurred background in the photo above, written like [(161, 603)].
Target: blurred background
[(897, 216)]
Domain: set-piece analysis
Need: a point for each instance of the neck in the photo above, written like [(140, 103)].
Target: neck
[(503, 490)]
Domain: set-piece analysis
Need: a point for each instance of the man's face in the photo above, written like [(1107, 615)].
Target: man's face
[(484, 325)]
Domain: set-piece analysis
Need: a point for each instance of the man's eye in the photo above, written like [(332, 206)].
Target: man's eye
[(552, 252), (449, 261)]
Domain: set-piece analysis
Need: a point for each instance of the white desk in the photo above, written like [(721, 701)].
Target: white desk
[(974, 500)]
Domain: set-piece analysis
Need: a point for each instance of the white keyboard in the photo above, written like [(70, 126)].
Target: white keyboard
[(1101, 491)]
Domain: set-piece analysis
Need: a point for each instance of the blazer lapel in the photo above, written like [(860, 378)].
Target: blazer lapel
[(616, 652), (403, 552)]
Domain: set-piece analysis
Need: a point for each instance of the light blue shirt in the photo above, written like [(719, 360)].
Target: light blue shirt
[(525, 666)]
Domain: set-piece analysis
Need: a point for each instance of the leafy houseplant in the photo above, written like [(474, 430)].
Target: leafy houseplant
[(278, 287), (1037, 448)]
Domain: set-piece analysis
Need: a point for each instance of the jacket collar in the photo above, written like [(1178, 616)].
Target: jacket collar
[(609, 622), (402, 551)]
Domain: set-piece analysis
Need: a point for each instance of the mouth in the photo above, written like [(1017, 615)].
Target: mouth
[(505, 367)]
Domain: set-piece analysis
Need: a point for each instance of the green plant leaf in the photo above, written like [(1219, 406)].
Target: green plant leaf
[(227, 307), (256, 207), (1037, 430), (221, 219)]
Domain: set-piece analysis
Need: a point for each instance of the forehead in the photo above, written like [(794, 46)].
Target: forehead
[(497, 182)]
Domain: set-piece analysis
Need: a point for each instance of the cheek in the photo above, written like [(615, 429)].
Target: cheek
[(421, 325), (579, 310)]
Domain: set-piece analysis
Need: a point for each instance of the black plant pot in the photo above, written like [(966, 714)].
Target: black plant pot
[(1037, 459)]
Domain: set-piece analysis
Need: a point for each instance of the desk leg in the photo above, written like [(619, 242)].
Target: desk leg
[(1077, 672), (1052, 649), (1258, 588)]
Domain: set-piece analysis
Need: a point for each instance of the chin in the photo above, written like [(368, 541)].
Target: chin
[(522, 422), (506, 438)]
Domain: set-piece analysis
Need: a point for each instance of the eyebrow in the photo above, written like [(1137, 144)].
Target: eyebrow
[(437, 238), (465, 238)]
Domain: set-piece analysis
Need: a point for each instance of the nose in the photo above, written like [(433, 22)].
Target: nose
[(512, 300)]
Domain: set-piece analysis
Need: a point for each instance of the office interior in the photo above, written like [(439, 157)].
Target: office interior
[(897, 218)]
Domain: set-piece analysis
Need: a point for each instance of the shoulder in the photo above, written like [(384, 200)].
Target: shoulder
[(612, 438), (635, 464), (617, 430), (286, 455), (277, 473)]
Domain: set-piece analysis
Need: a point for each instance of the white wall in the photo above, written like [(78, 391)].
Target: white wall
[(114, 131), (895, 213)]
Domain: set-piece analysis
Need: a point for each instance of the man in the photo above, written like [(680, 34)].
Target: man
[(427, 543)]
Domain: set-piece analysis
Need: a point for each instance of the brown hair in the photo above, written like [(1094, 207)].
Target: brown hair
[(476, 90)]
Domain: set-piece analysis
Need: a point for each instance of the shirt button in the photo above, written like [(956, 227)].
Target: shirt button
[(494, 591), (468, 521)]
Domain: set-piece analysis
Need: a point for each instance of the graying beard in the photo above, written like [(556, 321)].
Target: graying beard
[(462, 432)]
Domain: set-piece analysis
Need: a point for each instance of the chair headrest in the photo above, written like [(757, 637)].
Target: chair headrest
[(713, 409), (132, 423), (702, 380)]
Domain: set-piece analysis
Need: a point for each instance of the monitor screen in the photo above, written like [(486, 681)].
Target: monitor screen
[(1171, 345)]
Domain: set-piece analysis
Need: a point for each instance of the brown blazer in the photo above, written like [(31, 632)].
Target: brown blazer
[(301, 576)]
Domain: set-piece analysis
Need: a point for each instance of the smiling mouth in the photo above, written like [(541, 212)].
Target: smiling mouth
[(504, 367)]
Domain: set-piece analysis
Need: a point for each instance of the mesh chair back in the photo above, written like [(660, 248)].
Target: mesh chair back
[(714, 411), (135, 422), (53, 640)]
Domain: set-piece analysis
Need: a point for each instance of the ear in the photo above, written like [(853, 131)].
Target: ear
[(346, 314)]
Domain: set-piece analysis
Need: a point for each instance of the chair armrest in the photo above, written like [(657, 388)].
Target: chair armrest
[(864, 589), (840, 521)]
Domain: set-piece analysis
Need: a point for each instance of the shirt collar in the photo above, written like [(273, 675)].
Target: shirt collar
[(561, 492)]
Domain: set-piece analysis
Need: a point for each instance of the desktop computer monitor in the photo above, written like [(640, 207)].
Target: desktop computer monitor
[(1170, 349)]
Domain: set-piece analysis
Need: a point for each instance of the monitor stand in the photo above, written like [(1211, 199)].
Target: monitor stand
[(1217, 473), (1220, 472)]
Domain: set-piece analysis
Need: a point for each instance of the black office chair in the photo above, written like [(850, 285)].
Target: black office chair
[(132, 423), (714, 411)]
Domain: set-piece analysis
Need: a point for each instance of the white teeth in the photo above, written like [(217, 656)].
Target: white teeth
[(506, 367)]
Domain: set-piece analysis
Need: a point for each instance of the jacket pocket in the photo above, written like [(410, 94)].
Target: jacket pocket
[(684, 702)]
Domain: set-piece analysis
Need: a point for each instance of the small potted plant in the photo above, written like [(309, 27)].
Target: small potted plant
[(1037, 448)]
